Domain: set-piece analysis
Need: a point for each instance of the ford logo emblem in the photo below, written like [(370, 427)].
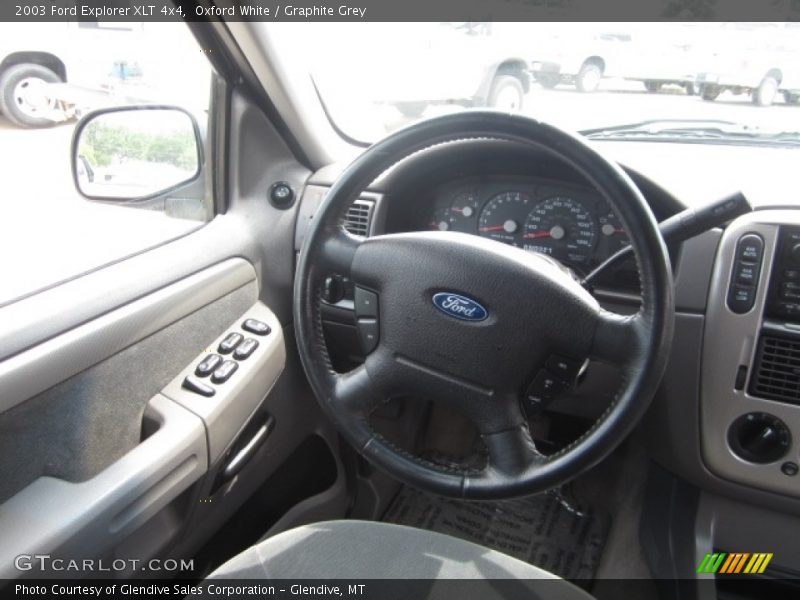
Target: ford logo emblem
[(459, 307)]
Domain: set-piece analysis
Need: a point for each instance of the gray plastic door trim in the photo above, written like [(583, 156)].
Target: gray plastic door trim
[(57, 517)]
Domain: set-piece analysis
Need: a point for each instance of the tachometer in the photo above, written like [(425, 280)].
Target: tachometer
[(503, 217), (561, 227)]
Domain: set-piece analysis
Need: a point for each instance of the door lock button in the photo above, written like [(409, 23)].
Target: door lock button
[(245, 349), (207, 365), (230, 342), (224, 371)]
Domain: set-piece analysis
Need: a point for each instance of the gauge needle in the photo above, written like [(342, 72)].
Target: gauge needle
[(509, 226), (609, 229), (538, 234)]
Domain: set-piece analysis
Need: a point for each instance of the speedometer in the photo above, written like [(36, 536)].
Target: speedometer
[(503, 217), (561, 227)]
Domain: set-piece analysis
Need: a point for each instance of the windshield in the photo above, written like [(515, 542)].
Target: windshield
[(377, 77)]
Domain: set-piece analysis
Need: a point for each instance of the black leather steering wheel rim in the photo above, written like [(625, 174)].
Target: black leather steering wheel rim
[(638, 344)]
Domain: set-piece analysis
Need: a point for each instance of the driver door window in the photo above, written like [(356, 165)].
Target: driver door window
[(50, 75)]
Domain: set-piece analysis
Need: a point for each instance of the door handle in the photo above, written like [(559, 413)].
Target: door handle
[(241, 458)]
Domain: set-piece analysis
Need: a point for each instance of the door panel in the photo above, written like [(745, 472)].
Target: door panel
[(75, 464), (126, 460), (102, 453)]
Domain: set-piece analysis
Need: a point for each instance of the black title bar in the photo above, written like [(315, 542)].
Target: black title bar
[(399, 10)]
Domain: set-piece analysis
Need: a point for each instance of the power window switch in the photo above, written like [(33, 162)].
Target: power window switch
[(207, 365), (245, 349), (230, 342), (224, 371), (257, 327)]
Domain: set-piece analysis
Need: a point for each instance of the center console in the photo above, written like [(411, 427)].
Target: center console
[(750, 387)]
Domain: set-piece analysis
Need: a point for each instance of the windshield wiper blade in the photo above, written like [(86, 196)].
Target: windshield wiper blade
[(689, 131), (658, 124)]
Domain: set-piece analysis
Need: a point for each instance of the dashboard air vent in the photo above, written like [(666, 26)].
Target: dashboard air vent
[(358, 217), (777, 372)]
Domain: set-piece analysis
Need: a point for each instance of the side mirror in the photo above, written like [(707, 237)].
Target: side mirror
[(135, 153)]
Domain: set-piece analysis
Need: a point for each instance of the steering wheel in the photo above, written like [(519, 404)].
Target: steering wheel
[(469, 322)]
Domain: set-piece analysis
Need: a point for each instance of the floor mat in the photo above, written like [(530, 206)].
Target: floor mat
[(539, 530)]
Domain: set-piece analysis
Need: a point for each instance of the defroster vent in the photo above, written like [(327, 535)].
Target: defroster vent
[(358, 217), (777, 371)]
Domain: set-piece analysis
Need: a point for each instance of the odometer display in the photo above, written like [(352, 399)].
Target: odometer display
[(561, 227)]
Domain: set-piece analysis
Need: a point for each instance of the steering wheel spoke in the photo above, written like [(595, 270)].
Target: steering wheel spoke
[(338, 251), (617, 337), (512, 451), (504, 430), (355, 393)]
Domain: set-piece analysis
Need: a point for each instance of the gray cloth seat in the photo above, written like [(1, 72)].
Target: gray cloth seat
[(373, 550)]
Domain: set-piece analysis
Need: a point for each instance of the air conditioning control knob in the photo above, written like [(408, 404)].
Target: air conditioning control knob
[(759, 438)]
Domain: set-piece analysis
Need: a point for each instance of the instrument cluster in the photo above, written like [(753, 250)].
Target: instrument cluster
[(571, 224)]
